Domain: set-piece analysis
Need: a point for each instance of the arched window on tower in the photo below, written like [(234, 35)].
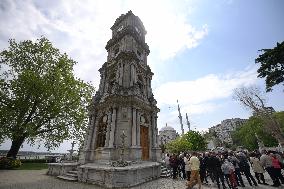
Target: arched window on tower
[(102, 129)]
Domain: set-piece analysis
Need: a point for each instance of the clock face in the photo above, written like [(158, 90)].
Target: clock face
[(120, 28)]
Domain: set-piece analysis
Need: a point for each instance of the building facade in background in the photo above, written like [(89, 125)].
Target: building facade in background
[(167, 134), (268, 110), (224, 129)]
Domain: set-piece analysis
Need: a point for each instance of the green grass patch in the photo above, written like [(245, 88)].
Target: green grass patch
[(32, 166)]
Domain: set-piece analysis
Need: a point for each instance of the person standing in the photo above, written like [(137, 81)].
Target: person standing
[(245, 168), (215, 164), (266, 162), (182, 166), (232, 158), (203, 168), (167, 162), (187, 166), (257, 169), (194, 176), (228, 170), (174, 165), (277, 168)]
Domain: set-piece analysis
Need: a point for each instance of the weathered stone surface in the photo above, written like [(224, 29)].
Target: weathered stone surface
[(124, 102), (56, 169), (119, 177)]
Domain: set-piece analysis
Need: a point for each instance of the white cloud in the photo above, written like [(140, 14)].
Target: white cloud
[(198, 97), (169, 31), (204, 89), (82, 28)]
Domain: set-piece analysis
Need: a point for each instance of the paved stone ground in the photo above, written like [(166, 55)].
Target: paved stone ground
[(37, 179)]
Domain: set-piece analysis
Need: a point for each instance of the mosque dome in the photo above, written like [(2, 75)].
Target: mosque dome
[(167, 128)]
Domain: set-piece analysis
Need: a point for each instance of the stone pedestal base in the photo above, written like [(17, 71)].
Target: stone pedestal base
[(118, 177), (111, 154), (156, 154), (56, 169)]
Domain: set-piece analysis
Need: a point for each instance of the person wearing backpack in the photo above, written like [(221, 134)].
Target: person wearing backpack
[(232, 158), (228, 170)]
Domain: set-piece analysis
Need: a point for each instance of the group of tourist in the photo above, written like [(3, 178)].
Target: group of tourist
[(227, 168)]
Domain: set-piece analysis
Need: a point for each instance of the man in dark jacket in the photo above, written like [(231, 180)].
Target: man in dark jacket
[(174, 164), (214, 167), (245, 168), (182, 166), (203, 167)]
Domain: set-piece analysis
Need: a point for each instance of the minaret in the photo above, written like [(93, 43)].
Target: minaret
[(180, 119), (187, 122)]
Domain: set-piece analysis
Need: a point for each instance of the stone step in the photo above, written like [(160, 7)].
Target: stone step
[(165, 175), (67, 178), (71, 175), (74, 172)]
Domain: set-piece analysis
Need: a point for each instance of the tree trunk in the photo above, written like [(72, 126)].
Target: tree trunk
[(16, 144)]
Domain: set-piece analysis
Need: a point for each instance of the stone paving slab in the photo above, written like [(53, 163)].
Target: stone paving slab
[(37, 179)]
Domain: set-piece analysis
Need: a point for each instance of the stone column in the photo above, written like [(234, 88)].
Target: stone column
[(134, 127), (94, 138), (117, 74), (138, 128), (149, 87), (134, 75), (90, 133), (108, 129), (124, 74), (102, 84), (120, 74), (156, 129), (153, 127), (131, 75), (128, 75), (113, 124)]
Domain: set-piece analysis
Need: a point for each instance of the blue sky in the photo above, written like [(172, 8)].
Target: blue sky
[(200, 49)]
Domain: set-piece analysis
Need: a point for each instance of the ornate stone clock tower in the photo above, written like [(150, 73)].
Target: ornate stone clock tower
[(124, 102)]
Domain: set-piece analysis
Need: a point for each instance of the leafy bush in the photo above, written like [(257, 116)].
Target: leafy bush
[(9, 163)]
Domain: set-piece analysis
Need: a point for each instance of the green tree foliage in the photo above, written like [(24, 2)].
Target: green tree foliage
[(280, 117), (272, 65), (178, 145), (191, 141), (40, 98), (245, 135), (196, 141), (251, 98)]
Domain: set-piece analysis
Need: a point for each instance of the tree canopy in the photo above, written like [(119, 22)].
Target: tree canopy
[(40, 97), (245, 135), (191, 141), (251, 98), (272, 65)]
